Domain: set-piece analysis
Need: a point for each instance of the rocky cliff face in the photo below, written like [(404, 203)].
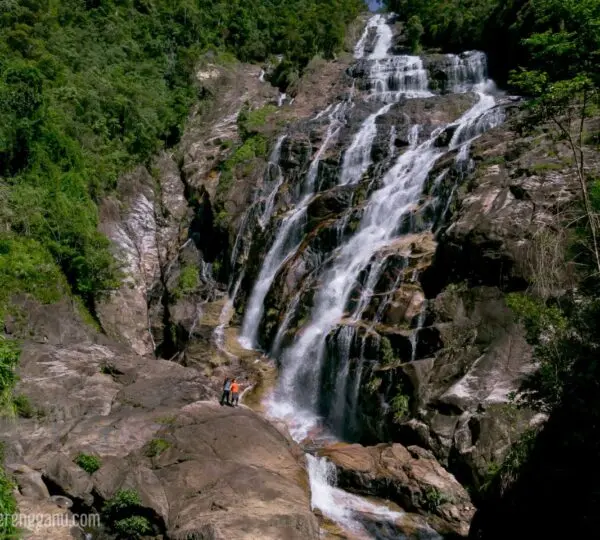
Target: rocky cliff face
[(426, 350), (423, 349), (231, 235), (200, 469)]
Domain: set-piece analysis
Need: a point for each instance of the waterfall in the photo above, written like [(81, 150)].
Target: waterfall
[(289, 234), (384, 39), (265, 196), (465, 70), (344, 283), (340, 506), (286, 242), (283, 327), (368, 289), (335, 116), (357, 158), (359, 50), (270, 192), (392, 145), (224, 318), (386, 210), (287, 239), (414, 338), (391, 78), (402, 187), (344, 344)]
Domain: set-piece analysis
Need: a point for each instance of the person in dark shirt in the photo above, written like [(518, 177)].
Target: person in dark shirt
[(225, 397)]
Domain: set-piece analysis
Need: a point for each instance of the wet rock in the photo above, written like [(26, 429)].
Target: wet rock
[(406, 304), (503, 210), (410, 477), (445, 137), (330, 203)]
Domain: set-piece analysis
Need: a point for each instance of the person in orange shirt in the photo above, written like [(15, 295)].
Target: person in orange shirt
[(235, 392)]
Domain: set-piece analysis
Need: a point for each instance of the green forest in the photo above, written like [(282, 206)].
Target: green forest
[(503, 28), (89, 88)]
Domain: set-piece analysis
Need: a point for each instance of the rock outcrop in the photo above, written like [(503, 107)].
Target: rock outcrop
[(410, 477), (198, 468)]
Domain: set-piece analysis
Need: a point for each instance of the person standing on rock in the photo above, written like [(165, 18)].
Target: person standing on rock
[(225, 398), (235, 393)]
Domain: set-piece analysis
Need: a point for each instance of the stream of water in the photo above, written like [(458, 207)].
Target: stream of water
[(390, 79)]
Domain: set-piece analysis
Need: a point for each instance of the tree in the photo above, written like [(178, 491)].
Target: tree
[(564, 87), (414, 33)]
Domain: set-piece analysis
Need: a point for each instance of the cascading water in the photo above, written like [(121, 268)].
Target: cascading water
[(387, 208), (289, 234), (341, 506), (265, 197), (346, 282), (393, 77), (269, 192), (357, 158)]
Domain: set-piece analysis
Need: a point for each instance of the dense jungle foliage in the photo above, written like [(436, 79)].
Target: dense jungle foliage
[(89, 88), (501, 28)]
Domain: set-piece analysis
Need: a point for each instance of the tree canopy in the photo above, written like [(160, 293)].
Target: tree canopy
[(511, 31), (89, 88)]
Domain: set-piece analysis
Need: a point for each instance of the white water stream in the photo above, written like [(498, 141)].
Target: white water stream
[(296, 398)]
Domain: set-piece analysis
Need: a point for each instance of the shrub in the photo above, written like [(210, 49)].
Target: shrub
[(249, 122), (23, 406), (414, 33), (26, 266), (189, 279), (8, 506), (124, 499), (373, 385), (90, 464), (540, 320), (400, 405), (386, 352), (9, 356), (122, 513), (156, 447), (133, 527), (501, 476), (433, 498)]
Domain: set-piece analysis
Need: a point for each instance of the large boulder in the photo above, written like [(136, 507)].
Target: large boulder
[(411, 477), (223, 470)]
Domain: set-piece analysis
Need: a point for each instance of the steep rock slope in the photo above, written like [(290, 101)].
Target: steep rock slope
[(107, 394), (199, 468)]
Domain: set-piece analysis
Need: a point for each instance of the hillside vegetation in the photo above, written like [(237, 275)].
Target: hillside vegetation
[(88, 88), (502, 27)]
